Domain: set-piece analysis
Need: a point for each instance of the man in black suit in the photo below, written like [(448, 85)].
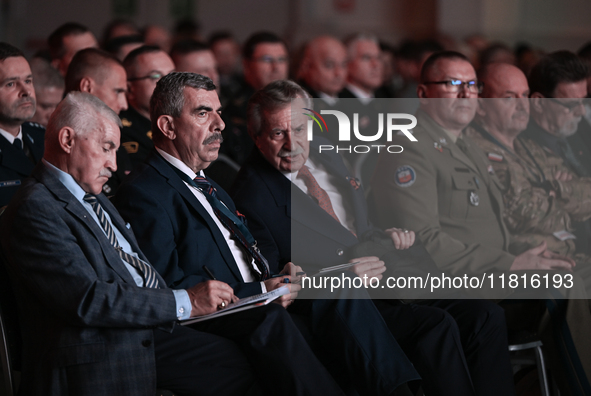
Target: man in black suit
[(21, 142), (107, 317), (277, 190), (189, 228)]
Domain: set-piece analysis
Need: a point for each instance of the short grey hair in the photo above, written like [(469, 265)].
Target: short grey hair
[(274, 96), (79, 111), (354, 38), (169, 98)]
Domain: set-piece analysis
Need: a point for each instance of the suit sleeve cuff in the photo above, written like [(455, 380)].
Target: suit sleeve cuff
[(183, 304)]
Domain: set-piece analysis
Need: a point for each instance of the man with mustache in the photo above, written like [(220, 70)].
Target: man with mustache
[(21, 142), (189, 228), (100, 74)]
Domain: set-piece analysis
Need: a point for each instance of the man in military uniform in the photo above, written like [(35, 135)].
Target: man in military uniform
[(144, 67), (21, 142), (100, 74), (265, 59), (442, 186), (49, 89), (541, 194), (542, 197)]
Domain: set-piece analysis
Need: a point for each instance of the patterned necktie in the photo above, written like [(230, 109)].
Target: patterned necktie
[(233, 223), (145, 269), (317, 192)]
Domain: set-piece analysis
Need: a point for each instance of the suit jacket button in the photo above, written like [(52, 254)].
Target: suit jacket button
[(340, 252), (147, 343)]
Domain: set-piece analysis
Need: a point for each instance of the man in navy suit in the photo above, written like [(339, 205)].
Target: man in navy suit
[(96, 317), (21, 142), (189, 229), (277, 190)]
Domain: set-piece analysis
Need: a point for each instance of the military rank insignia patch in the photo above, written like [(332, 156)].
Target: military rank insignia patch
[(405, 176), (125, 122), (495, 157)]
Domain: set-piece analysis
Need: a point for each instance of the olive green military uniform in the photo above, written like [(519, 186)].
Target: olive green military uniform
[(538, 207), (451, 201)]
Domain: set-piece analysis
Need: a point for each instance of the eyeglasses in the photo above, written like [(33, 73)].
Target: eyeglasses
[(153, 76), (271, 60), (570, 106), (454, 86)]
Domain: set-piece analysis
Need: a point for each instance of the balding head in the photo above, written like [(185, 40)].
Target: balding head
[(324, 66), (504, 111)]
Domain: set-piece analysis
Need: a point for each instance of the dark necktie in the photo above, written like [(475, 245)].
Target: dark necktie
[(18, 144), (571, 159), (145, 269), (233, 223), (317, 192)]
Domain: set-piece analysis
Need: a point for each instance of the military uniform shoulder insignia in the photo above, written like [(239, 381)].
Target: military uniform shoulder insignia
[(126, 123), (34, 124), (405, 176), (131, 147), (495, 157), (149, 134)]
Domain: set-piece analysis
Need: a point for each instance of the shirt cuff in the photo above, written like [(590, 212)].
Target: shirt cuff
[(263, 287), (183, 304)]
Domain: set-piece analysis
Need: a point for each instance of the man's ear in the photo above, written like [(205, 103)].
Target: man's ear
[(66, 137), (87, 85), (535, 102), (166, 125)]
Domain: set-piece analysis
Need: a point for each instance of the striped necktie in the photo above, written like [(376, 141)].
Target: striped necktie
[(235, 224), (146, 270)]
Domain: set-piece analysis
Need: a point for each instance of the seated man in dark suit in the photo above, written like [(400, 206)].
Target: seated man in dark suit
[(304, 206), (189, 228), (96, 317), (21, 142)]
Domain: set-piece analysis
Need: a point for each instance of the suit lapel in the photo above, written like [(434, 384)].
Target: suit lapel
[(76, 209), (158, 163)]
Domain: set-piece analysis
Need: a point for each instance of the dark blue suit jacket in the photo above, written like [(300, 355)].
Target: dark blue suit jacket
[(15, 166), (175, 231), (295, 216), (86, 325)]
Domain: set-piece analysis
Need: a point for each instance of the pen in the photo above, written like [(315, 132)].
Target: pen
[(209, 272), (280, 275)]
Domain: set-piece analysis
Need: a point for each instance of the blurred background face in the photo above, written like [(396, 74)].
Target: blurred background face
[(227, 55), (200, 62), (73, 44), (565, 109), (365, 65), (454, 110), (269, 63), (505, 107), (47, 100), (326, 66), (148, 69)]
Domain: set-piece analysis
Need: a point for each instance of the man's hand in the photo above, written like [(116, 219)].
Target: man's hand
[(372, 267), (208, 297), (539, 258), (276, 283), (403, 239)]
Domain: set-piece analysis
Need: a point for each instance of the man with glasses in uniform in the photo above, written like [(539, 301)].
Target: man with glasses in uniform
[(144, 67)]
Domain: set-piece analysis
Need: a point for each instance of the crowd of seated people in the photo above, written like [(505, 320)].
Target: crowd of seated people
[(155, 176)]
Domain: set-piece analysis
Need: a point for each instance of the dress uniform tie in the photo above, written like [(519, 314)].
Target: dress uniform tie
[(317, 192), (18, 144), (145, 269), (233, 223)]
